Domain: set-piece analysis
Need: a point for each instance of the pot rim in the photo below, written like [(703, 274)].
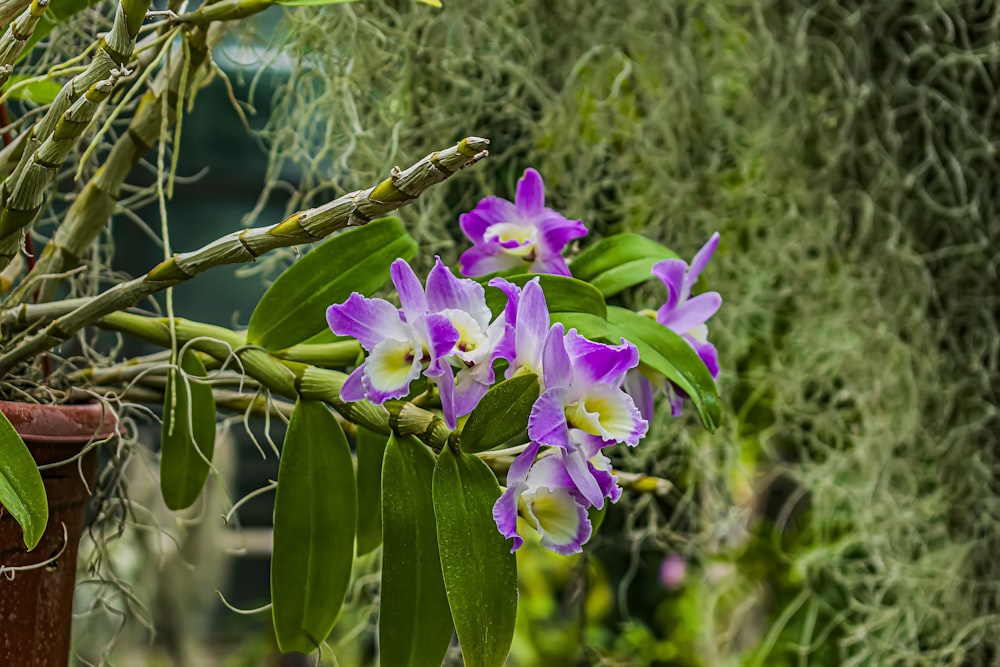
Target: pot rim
[(67, 424)]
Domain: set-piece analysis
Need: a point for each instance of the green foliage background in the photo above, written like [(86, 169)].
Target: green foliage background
[(847, 512)]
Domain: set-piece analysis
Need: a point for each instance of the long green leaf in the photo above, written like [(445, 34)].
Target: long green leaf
[(480, 573), (619, 262), (371, 450), (414, 624), (562, 295), (293, 309), (501, 414), (668, 353), (188, 434), (21, 488), (314, 522)]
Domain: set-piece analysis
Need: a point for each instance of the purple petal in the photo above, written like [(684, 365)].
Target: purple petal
[(522, 465), (505, 514), (551, 264), (549, 472), (353, 388), (701, 259), (707, 352), (555, 360), (482, 260), (641, 390), (513, 293), (444, 290), (530, 197), (468, 393), (598, 363), (692, 313), (547, 422), (556, 231), (412, 301), (368, 320), (441, 336), (600, 467), (490, 211), (445, 382), (580, 470), (671, 273), (532, 326)]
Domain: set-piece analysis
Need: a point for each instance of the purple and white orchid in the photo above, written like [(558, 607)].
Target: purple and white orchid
[(686, 316), (581, 409), (543, 492), (401, 343), (520, 234), (448, 323)]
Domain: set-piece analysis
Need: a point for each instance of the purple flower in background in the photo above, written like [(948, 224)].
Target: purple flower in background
[(401, 342), (673, 570), (686, 315), (520, 234), (543, 492)]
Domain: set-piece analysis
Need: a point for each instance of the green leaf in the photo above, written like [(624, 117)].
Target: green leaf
[(668, 353), (294, 308), (480, 573), (501, 414), (21, 489), (562, 295), (619, 262), (371, 450), (188, 434), (314, 521), (414, 623), (37, 92)]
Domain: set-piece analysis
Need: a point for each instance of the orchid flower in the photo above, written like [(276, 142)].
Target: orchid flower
[(463, 303), (526, 317), (520, 234), (543, 492), (686, 315), (401, 343), (583, 407)]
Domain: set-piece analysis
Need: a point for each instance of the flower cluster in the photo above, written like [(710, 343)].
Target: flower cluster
[(581, 410), (435, 330), (592, 394)]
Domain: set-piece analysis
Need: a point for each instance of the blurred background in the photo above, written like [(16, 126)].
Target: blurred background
[(848, 510)]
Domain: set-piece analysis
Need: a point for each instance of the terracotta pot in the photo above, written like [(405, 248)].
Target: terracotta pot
[(36, 605)]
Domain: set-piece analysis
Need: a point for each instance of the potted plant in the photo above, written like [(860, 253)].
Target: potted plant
[(513, 364)]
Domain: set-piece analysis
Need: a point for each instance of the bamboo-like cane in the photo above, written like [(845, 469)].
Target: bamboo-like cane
[(91, 210), (30, 179), (355, 208), (285, 378), (17, 35)]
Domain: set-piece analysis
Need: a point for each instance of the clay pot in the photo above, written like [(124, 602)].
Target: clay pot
[(36, 605)]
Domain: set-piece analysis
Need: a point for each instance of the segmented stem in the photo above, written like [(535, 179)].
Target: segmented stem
[(355, 208)]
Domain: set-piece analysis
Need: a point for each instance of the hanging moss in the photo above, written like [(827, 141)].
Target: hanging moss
[(846, 513)]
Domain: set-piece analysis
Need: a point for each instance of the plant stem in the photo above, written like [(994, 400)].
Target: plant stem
[(285, 378), (91, 210), (355, 208), (23, 192)]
